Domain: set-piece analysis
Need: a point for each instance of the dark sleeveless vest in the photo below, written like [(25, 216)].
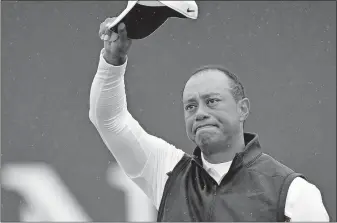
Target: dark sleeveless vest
[(254, 189)]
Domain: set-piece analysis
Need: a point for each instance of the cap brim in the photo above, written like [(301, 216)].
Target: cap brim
[(141, 21)]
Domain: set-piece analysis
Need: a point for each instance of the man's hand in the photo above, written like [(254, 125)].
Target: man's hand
[(116, 45)]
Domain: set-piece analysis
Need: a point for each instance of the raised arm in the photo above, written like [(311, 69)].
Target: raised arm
[(144, 157)]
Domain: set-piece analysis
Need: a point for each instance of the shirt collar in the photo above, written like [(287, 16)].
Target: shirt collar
[(216, 167)]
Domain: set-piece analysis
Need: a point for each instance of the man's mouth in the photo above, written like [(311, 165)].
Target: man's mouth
[(204, 126)]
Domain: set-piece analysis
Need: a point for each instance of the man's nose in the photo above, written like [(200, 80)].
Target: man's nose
[(201, 114)]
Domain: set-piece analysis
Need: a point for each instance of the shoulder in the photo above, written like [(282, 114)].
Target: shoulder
[(269, 166), (304, 201), (302, 187)]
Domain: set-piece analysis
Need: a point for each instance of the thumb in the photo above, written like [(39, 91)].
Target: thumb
[(122, 32)]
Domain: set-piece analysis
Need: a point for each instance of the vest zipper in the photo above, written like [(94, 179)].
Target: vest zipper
[(211, 209)]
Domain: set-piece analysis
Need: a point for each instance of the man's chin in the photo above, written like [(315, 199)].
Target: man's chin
[(205, 137)]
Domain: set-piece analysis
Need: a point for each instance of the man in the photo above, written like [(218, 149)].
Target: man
[(227, 178)]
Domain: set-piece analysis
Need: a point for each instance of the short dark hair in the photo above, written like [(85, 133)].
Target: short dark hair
[(237, 88)]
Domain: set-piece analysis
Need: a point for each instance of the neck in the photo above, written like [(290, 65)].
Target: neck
[(224, 152)]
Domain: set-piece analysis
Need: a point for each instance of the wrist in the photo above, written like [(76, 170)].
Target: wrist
[(114, 60)]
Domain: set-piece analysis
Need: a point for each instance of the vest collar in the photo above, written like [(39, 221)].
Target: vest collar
[(245, 158)]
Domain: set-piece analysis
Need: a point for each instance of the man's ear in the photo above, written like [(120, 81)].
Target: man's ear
[(243, 108)]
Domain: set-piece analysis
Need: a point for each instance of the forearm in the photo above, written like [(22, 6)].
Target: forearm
[(107, 96)]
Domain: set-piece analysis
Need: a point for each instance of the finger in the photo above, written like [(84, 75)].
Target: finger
[(122, 32), (101, 29), (104, 26), (109, 23), (110, 19), (113, 37)]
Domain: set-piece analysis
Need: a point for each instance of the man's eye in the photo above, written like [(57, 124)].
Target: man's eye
[(212, 101), (189, 107)]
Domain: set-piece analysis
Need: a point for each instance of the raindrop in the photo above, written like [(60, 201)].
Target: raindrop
[(14, 78), (45, 78), (36, 117), (98, 197), (310, 82), (188, 42), (98, 178), (11, 43), (319, 101), (259, 27), (42, 134), (208, 14), (38, 54), (278, 34), (327, 27)]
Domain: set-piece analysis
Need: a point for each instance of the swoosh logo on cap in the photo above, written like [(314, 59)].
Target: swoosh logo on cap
[(190, 10)]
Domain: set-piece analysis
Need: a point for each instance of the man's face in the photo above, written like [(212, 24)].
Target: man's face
[(212, 115)]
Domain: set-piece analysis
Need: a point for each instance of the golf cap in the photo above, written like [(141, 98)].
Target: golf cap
[(142, 18)]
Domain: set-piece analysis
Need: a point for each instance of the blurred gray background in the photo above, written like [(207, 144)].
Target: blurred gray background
[(284, 52)]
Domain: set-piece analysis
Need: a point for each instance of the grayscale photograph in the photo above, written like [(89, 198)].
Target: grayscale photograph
[(168, 111)]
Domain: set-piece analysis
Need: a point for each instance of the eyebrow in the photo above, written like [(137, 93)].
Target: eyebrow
[(191, 99)]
